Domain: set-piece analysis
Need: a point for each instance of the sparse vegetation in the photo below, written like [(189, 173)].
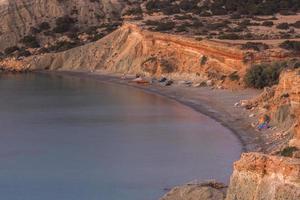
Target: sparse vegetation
[(229, 36), (263, 75), (168, 66), (267, 23), (10, 50), (63, 24), (133, 11), (256, 46), (234, 76), (291, 45), (62, 46), (23, 53), (165, 26), (288, 151), (30, 41), (203, 60), (216, 26), (44, 26), (221, 7), (283, 26), (296, 24)]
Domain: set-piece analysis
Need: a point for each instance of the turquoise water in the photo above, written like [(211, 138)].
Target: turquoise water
[(66, 138)]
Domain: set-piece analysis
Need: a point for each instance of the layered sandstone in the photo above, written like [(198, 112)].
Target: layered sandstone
[(133, 50), (263, 177)]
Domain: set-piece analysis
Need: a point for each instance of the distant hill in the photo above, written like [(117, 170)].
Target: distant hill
[(222, 7), (48, 19), (40, 26)]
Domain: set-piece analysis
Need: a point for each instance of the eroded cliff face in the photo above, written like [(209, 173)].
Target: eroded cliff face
[(18, 17), (284, 105), (263, 177), (288, 95), (133, 50)]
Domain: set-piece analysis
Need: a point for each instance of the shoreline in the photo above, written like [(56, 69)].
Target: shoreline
[(203, 100)]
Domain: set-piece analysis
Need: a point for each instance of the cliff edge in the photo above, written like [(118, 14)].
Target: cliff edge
[(262, 177)]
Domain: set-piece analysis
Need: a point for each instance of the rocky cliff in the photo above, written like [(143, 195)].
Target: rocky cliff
[(262, 177), (287, 108), (273, 177), (133, 50)]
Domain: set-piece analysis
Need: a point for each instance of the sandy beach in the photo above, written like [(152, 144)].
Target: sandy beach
[(218, 104)]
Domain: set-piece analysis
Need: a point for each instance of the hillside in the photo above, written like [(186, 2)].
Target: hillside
[(39, 26), (45, 20)]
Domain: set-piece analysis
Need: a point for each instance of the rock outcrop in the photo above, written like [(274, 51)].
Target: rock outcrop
[(282, 104), (13, 65), (288, 91), (285, 104), (204, 191), (263, 177)]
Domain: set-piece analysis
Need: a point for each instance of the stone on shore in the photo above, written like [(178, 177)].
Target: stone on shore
[(195, 192)]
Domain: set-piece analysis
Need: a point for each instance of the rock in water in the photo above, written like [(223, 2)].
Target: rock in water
[(194, 192)]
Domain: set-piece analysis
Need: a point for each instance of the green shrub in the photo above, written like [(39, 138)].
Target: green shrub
[(296, 24), (234, 76), (188, 5), (168, 66), (203, 60), (62, 46), (34, 30), (183, 17), (267, 23), (235, 16), (216, 26), (283, 26), (98, 36), (165, 26), (229, 36), (165, 6), (134, 11), (291, 45), (296, 65), (245, 22), (256, 46), (10, 50), (44, 26), (63, 24), (23, 53), (30, 41), (263, 75), (288, 151)]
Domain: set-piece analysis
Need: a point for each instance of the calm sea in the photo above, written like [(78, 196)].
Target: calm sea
[(67, 138)]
